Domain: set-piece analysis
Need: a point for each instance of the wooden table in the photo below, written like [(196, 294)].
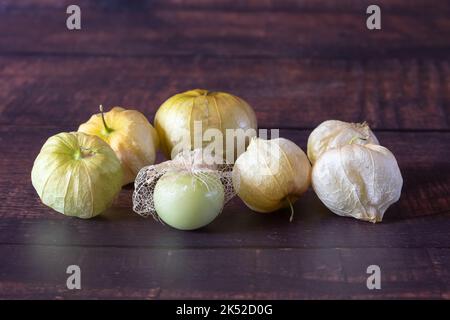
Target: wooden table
[(297, 63)]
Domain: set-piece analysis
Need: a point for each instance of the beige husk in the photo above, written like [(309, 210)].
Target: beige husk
[(271, 174), (359, 181), (334, 134), (186, 161), (176, 117)]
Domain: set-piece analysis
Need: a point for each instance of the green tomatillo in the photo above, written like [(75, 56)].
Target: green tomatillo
[(188, 201)]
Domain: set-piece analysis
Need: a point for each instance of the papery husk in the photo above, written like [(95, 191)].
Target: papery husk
[(176, 117), (271, 174), (77, 174), (134, 140), (334, 134), (359, 181), (193, 162)]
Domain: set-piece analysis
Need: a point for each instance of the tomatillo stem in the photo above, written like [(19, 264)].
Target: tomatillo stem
[(107, 129), (292, 209), (357, 137)]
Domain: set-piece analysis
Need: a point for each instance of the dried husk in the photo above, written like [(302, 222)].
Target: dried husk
[(271, 174), (134, 140), (334, 134), (176, 117), (359, 181)]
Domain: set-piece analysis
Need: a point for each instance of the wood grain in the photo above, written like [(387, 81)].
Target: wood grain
[(114, 273), (288, 93), (297, 63), (439, 7), (441, 259), (307, 29)]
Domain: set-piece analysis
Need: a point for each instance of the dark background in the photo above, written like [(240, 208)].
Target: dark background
[(297, 63)]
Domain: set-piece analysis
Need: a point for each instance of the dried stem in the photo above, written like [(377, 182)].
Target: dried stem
[(291, 218), (107, 129)]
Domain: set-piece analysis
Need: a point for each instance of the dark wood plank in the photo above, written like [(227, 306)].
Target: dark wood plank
[(420, 218), (40, 272), (348, 6), (405, 274), (234, 229), (285, 93), (298, 63), (271, 29), (441, 264)]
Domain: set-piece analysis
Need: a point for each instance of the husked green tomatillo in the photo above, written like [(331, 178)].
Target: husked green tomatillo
[(188, 201)]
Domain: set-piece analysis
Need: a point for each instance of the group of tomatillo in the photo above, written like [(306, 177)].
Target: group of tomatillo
[(81, 173)]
